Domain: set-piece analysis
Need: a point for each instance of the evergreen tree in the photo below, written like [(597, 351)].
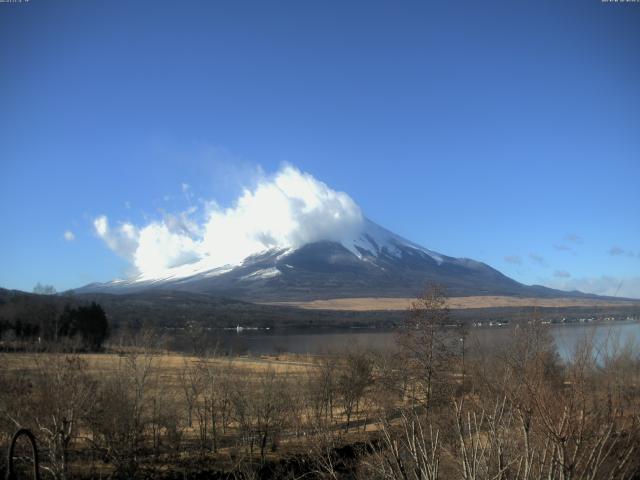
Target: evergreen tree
[(89, 322)]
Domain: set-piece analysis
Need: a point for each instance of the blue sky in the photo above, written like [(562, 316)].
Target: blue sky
[(507, 132)]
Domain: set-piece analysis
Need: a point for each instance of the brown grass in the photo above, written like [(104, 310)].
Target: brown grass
[(382, 303), (165, 363)]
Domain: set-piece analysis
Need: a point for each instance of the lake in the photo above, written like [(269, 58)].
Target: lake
[(607, 335)]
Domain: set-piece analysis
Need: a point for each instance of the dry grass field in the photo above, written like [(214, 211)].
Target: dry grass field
[(256, 400), (167, 362), (381, 303)]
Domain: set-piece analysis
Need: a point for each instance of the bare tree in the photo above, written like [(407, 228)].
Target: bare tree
[(269, 409), (428, 348), (121, 411), (44, 289), (60, 394), (408, 451), (190, 385), (353, 379), (321, 389)]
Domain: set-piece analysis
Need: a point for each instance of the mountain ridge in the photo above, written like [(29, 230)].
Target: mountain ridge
[(373, 263)]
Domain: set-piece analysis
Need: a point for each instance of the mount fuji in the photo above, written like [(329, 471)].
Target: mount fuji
[(372, 262)]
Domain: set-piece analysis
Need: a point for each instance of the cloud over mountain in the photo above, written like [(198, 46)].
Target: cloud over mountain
[(285, 210)]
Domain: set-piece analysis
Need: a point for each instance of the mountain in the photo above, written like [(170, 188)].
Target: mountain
[(372, 263)]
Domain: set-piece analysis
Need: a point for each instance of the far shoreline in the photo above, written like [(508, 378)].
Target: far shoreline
[(365, 304)]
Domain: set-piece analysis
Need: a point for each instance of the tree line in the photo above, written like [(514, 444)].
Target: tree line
[(25, 321)]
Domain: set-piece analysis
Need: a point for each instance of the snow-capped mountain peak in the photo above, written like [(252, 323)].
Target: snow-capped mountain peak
[(371, 242), (376, 240)]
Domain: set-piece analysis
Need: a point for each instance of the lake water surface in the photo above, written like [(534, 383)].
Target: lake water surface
[(606, 336)]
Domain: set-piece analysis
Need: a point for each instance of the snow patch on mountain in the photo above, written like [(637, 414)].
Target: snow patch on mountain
[(379, 241), (262, 274), (368, 244)]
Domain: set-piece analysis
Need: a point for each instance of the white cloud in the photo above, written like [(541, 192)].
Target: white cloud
[(286, 210), (561, 274), (158, 248), (69, 236), (616, 251), (570, 241), (515, 259), (627, 287), (573, 238), (536, 258), (186, 191), (123, 240)]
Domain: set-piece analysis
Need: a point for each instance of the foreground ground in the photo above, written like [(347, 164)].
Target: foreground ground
[(188, 412), (432, 407)]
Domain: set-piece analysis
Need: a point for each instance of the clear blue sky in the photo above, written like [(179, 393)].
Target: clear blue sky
[(508, 132)]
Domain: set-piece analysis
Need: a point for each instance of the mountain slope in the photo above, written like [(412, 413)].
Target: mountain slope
[(376, 262)]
